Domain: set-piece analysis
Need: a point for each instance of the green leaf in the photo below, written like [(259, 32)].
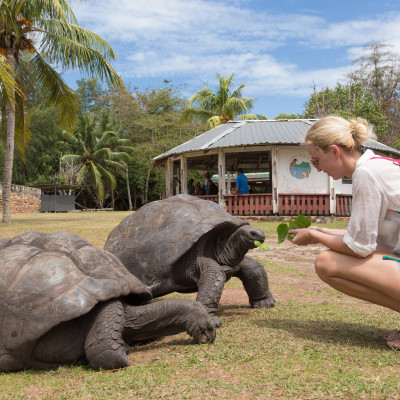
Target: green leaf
[(282, 230), (295, 225), (263, 246), (303, 221)]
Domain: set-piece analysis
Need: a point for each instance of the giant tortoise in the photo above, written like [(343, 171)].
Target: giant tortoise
[(186, 244), (63, 300)]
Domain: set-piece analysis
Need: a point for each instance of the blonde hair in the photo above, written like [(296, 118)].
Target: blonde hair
[(336, 130)]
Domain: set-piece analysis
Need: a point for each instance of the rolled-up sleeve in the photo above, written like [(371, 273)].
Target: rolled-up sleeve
[(369, 208)]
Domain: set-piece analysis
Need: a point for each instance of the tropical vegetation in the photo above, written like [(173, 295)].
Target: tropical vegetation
[(37, 38), (219, 107), (109, 148), (99, 155)]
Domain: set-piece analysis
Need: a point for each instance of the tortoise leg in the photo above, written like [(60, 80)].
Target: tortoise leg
[(210, 285), (168, 317), (10, 362), (255, 281), (104, 347)]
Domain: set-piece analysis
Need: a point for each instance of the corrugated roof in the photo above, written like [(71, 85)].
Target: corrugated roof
[(259, 132)]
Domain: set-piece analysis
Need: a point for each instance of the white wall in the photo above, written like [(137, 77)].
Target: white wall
[(295, 173), (342, 188)]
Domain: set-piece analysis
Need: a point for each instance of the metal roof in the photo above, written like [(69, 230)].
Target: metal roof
[(258, 132)]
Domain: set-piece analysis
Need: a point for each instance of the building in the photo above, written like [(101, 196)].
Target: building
[(272, 147)]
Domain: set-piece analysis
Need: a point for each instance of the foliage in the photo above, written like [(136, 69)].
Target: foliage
[(283, 229), (43, 151), (100, 155), (47, 32), (151, 120), (8, 85), (91, 97), (378, 73), (219, 107), (347, 101), (287, 116)]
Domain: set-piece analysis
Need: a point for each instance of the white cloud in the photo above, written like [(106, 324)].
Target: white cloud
[(194, 39)]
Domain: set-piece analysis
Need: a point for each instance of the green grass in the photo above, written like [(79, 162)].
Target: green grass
[(315, 343)]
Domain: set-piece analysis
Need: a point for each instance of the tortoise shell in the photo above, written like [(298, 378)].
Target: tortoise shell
[(46, 279), (160, 232)]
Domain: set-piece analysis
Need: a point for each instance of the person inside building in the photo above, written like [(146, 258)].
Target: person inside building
[(190, 187), (210, 188), (242, 186), (362, 261), (198, 190)]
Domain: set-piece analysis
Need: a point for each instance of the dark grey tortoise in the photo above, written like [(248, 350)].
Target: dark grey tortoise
[(63, 300), (186, 244)]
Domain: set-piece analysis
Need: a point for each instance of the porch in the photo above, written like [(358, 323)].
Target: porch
[(271, 151), (288, 204)]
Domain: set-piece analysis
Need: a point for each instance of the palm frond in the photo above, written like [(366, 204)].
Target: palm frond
[(97, 180), (126, 149), (119, 156), (102, 154), (35, 10), (71, 159), (214, 121), (8, 83), (59, 92), (73, 47), (82, 174), (190, 113), (107, 177), (245, 117)]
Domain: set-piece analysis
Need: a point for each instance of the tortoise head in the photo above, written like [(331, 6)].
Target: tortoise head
[(232, 250), (246, 235)]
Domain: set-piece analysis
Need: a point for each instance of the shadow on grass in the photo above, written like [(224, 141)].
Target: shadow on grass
[(353, 334)]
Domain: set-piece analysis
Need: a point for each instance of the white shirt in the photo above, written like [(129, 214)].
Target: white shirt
[(376, 199)]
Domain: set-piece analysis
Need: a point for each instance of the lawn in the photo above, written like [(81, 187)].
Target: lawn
[(314, 344)]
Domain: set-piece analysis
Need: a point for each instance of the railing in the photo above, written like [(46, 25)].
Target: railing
[(343, 205), (249, 204), (246, 204), (289, 204), (306, 204)]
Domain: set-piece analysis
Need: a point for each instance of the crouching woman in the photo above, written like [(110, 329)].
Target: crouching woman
[(364, 260)]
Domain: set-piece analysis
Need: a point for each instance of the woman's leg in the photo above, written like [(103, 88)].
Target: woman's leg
[(371, 278)]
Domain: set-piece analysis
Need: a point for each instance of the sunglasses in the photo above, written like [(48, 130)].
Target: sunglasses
[(315, 160)]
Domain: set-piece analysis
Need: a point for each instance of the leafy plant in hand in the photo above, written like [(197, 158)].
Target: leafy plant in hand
[(283, 229)]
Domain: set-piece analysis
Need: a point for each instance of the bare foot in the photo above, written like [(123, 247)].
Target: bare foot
[(394, 344), (392, 336)]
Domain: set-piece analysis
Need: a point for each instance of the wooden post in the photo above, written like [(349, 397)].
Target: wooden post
[(221, 178), (176, 181), (274, 181), (169, 177), (332, 196), (184, 174)]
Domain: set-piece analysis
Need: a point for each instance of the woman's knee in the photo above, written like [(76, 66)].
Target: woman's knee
[(324, 264)]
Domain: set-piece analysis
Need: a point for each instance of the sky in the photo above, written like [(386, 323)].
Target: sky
[(279, 49)]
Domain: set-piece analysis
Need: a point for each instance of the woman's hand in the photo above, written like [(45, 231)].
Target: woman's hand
[(303, 236)]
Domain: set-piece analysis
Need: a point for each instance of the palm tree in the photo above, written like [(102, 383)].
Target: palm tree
[(100, 156), (220, 107), (27, 26), (8, 85)]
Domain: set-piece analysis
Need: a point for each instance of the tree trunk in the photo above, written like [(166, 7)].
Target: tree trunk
[(134, 198), (146, 193), (112, 199), (9, 154), (128, 189)]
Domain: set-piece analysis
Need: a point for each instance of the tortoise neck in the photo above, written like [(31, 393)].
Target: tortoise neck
[(232, 250)]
